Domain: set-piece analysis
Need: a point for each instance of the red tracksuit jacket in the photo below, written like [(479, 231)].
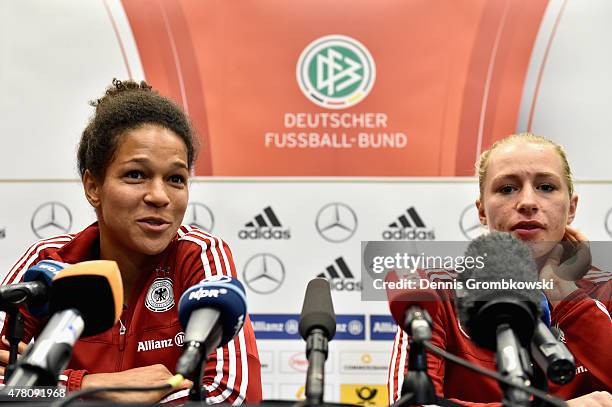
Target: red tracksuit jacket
[(587, 332), (149, 331)]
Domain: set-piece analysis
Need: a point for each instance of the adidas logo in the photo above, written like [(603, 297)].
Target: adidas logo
[(265, 225), (340, 277), (408, 226)]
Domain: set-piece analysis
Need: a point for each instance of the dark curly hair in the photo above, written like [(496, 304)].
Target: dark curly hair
[(128, 105)]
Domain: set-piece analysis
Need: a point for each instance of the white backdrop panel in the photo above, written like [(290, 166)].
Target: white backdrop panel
[(234, 203)]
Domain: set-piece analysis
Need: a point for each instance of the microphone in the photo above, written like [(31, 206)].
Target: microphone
[(212, 313), (412, 309), (549, 353), (34, 290), (407, 305), (317, 326), (480, 311), (502, 320), (85, 299), (552, 355)]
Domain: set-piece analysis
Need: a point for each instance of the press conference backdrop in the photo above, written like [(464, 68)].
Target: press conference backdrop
[(403, 94)]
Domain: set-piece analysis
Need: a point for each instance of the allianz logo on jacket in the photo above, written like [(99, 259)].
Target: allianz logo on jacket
[(152, 344)]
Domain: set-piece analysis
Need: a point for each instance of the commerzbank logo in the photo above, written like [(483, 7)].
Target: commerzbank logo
[(336, 71)]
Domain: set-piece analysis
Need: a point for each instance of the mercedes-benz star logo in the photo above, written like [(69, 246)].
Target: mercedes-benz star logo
[(199, 215), (264, 273), (336, 222), (469, 223), (608, 222), (50, 219)]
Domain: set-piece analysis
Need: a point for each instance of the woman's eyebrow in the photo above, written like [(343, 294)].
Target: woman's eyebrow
[(512, 176), (146, 160)]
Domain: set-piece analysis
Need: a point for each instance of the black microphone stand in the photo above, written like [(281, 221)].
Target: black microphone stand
[(316, 352), (14, 335), (512, 361), (205, 339), (200, 352), (198, 391), (417, 385), (195, 355), (540, 382)]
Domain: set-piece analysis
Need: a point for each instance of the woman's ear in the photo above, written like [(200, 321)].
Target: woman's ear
[(572, 209), (92, 189), (481, 212)]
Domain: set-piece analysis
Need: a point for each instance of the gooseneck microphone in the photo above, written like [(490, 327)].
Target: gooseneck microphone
[(412, 310), (85, 299), (34, 290), (502, 320), (317, 326), (552, 356), (212, 313)]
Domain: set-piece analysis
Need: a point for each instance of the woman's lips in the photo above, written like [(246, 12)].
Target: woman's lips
[(526, 234), (153, 225)]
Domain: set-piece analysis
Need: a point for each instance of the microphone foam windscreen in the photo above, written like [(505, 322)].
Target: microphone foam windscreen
[(506, 260), (95, 289), (318, 309)]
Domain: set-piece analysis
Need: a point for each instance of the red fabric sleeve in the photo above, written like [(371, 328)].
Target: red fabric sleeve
[(75, 379), (233, 373), (587, 327)]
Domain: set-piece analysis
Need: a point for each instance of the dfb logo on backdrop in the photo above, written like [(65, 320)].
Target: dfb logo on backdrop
[(408, 226), (200, 216), (340, 276), (265, 225), (336, 72), (51, 218), (608, 222), (264, 273), (336, 222), (469, 223)]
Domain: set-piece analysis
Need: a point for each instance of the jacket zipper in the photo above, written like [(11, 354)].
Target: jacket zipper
[(122, 331)]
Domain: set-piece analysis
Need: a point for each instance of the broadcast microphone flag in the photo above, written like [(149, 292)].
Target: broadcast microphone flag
[(85, 299), (34, 290), (212, 313)]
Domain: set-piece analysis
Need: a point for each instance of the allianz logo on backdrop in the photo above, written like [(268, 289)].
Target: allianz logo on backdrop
[(350, 327), (340, 276), (286, 326), (275, 326), (408, 226), (265, 225), (382, 328)]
